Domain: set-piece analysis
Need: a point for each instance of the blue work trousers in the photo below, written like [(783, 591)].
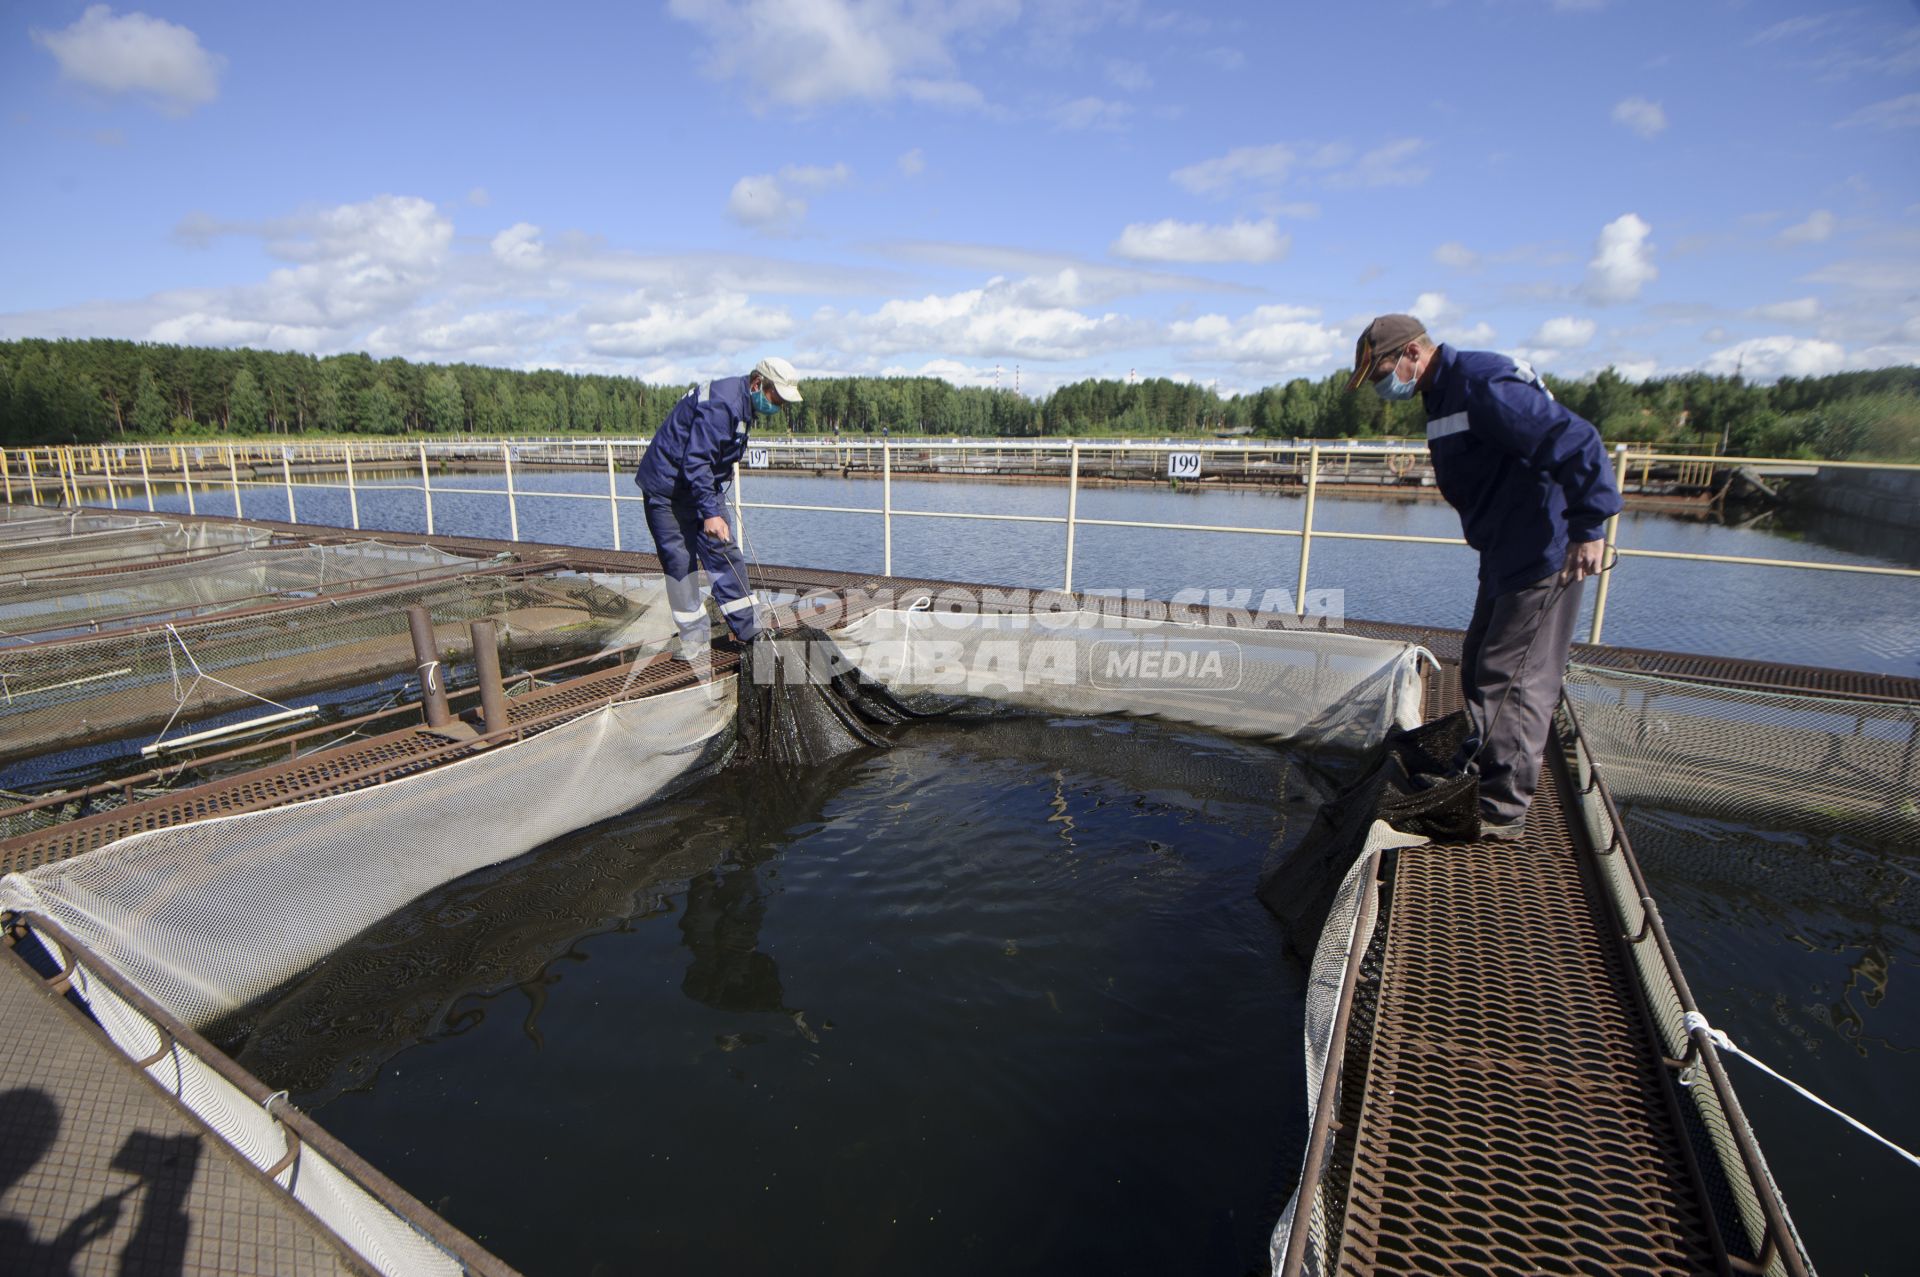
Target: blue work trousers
[(685, 547)]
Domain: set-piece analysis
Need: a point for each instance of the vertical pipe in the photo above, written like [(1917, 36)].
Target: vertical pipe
[(1306, 529), (1606, 557), (613, 498), (486, 664), (7, 475), (513, 508), (33, 480), (286, 478), (186, 479), (353, 498), (1073, 505), (106, 468), (146, 476), (739, 511), (233, 477), (886, 508), (426, 487), (69, 486), (426, 660)]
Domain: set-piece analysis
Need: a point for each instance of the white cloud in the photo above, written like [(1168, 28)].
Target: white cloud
[(1803, 310), (1271, 342), (1457, 255), (760, 201), (1895, 113), (1131, 76), (1648, 119), (727, 323), (1769, 358), (1003, 319), (1172, 241), (1623, 261), (1433, 309), (135, 53), (827, 50), (1257, 164), (1567, 332), (913, 163), (815, 176), (1090, 113), (1817, 229), (519, 246), (1394, 164)]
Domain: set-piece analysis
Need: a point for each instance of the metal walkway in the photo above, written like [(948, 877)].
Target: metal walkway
[(101, 1172)]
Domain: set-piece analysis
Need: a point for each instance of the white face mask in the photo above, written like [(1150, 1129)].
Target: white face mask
[(1391, 387)]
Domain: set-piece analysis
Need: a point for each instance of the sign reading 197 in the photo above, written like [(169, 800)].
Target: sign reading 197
[(1183, 465), (756, 458)]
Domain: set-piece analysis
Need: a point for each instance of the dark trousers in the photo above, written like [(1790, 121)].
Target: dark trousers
[(1512, 664), (685, 547)]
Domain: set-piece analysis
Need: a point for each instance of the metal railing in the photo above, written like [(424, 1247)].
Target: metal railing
[(217, 469)]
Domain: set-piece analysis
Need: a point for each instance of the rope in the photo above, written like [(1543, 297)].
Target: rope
[(1696, 1022)]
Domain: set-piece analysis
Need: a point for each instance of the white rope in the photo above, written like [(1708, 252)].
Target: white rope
[(1696, 1021)]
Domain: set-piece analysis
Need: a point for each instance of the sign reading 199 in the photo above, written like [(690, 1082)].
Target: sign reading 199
[(1183, 465)]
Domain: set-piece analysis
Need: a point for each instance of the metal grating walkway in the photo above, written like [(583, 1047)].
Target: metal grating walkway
[(1513, 1119), (102, 1172)]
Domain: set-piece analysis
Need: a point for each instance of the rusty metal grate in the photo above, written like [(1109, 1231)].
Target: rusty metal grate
[(1514, 1119), (349, 767)]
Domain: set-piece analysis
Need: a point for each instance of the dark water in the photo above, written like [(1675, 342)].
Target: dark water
[(1001, 996), (1786, 614), (1806, 950)]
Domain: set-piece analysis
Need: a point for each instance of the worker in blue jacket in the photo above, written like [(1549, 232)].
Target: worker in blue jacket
[(685, 475), (1534, 491)]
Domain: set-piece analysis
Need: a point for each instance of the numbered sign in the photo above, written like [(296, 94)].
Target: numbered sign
[(1183, 465), (756, 458)]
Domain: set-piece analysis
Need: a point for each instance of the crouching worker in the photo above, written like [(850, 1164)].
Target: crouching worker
[(685, 475)]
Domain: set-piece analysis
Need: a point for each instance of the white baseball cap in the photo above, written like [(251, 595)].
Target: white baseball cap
[(780, 374)]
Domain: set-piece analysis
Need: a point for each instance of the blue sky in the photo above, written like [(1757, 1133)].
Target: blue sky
[(1220, 193)]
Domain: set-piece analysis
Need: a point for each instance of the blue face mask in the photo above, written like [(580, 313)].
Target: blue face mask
[(1391, 387), (762, 404)]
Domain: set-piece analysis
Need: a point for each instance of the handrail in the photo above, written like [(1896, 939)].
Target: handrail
[(1312, 462)]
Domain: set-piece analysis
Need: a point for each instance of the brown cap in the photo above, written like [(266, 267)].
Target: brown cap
[(1389, 332)]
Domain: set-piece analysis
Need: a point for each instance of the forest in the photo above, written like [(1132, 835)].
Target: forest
[(54, 392)]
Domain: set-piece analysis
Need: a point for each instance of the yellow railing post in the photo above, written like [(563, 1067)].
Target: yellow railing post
[(353, 498), (1306, 527), (1609, 557), (613, 497), (426, 486), (286, 479), (186, 476), (106, 468), (1073, 505), (6, 474), (233, 475), (146, 477), (33, 480)]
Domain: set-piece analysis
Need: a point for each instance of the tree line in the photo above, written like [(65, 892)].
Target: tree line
[(97, 390)]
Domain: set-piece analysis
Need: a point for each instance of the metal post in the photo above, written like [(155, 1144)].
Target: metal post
[(426, 487), (739, 512), (33, 480), (146, 476), (486, 664), (426, 660), (186, 479), (233, 476), (286, 477), (1073, 505), (353, 498), (6, 474), (106, 468), (1306, 529), (886, 507), (513, 509), (613, 498), (1607, 556), (69, 486)]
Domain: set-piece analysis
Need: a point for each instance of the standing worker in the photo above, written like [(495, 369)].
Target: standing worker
[(685, 475), (1534, 491)]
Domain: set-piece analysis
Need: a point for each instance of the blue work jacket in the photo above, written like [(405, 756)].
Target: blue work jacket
[(1526, 475), (694, 451)]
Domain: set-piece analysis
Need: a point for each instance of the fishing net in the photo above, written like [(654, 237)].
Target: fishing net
[(24, 524), (123, 548), (170, 676), (46, 605), (1824, 764)]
